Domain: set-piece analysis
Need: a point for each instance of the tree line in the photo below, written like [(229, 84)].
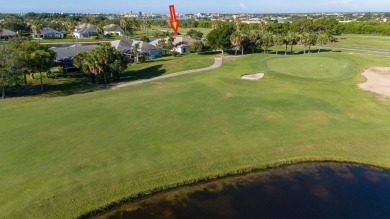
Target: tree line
[(240, 36), (103, 64), (21, 57)]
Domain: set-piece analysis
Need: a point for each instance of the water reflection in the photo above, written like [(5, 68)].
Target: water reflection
[(324, 190)]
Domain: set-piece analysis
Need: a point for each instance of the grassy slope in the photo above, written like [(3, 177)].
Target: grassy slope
[(379, 42), (64, 156)]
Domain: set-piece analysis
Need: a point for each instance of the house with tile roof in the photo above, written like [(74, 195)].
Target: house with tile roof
[(181, 44), (85, 30), (146, 49), (113, 29), (6, 34), (48, 33)]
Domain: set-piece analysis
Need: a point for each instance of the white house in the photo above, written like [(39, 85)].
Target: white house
[(49, 32), (113, 29), (148, 50), (181, 44), (85, 31)]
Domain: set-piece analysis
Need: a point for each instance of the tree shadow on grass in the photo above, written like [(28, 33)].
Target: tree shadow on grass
[(146, 73)]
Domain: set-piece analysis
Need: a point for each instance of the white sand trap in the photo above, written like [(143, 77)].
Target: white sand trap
[(378, 80), (253, 77)]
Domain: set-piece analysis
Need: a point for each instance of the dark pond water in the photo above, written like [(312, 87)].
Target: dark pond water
[(325, 190), (67, 45)]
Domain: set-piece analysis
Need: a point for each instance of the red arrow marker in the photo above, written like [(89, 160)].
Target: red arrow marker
[(174, 22)]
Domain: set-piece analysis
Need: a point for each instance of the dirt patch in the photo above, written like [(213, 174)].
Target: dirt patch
[(378, 80), (253, 77)]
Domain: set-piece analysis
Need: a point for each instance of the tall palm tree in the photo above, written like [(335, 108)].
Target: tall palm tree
[(267, 41), (305, 41), (135, 51), (123, 23), (278, 41), (36, 29), (236, 39), (100, 30), (69, 25), (238, 23), (323, 39)]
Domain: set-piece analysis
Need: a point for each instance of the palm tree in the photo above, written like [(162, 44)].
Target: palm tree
[(100, 30), (70, 28), (305, 41), (135, 51), (236, 39), (123, 23), (238, 23), (313, 40), (267, 40), (278, 41), (323, 39), (36, 29)]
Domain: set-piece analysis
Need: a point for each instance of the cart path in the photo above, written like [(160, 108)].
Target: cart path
[(217, 64)]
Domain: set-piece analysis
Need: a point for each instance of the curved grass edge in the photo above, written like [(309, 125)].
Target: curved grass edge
[(231, 173)]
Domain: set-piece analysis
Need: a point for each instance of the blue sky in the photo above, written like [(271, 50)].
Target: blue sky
[(194, 6)]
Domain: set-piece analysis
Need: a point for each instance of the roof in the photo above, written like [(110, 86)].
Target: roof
[(83, 25), (48, 30), (6, 32), (179, 41), (72, 51), (113, 28), (123, 45), (86, 29)]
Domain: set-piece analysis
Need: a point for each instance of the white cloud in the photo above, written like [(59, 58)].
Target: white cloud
[(243, 6)]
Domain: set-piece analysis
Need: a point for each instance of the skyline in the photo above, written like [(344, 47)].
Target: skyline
[(185, 6)]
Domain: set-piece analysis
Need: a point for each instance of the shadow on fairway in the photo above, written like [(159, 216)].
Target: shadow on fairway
[(146, 73)]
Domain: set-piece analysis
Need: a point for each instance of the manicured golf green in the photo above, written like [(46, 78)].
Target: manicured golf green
[(63, 157)]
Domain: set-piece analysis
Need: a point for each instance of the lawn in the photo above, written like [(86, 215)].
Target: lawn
[(65, 156), (366, 41), (167, 65), (70, 83)]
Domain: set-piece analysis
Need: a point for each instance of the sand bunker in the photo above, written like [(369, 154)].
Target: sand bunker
[(253, 77), (378, 80)]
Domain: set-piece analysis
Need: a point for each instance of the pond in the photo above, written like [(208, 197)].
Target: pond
[(67, 45), (312, 190)]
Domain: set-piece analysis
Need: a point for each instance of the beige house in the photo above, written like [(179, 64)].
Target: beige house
[(181, 44), (113, 29), (6, 34)]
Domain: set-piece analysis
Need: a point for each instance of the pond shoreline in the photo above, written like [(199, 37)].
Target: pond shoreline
[(233, 173)]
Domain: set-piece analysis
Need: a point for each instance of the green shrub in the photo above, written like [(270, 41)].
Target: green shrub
[(141, 59), (174, 53), (93, 37)]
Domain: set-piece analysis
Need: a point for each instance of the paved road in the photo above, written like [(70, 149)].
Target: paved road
[(217, 63), (357, 48)]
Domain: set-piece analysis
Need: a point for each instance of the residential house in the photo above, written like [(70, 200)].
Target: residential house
[(146, 49), (113, 29), (48, 32), (6, 34), (65, 54), (85, 31), (181, 44)]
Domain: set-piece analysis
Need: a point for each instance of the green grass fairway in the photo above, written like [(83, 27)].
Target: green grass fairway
[(367, 41), (65, 156), (310, 67)]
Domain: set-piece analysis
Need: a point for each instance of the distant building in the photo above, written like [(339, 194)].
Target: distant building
[(6, 34), (113, 29), (49, 33)]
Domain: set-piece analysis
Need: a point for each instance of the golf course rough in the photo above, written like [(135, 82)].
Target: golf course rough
[(66, 156)]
